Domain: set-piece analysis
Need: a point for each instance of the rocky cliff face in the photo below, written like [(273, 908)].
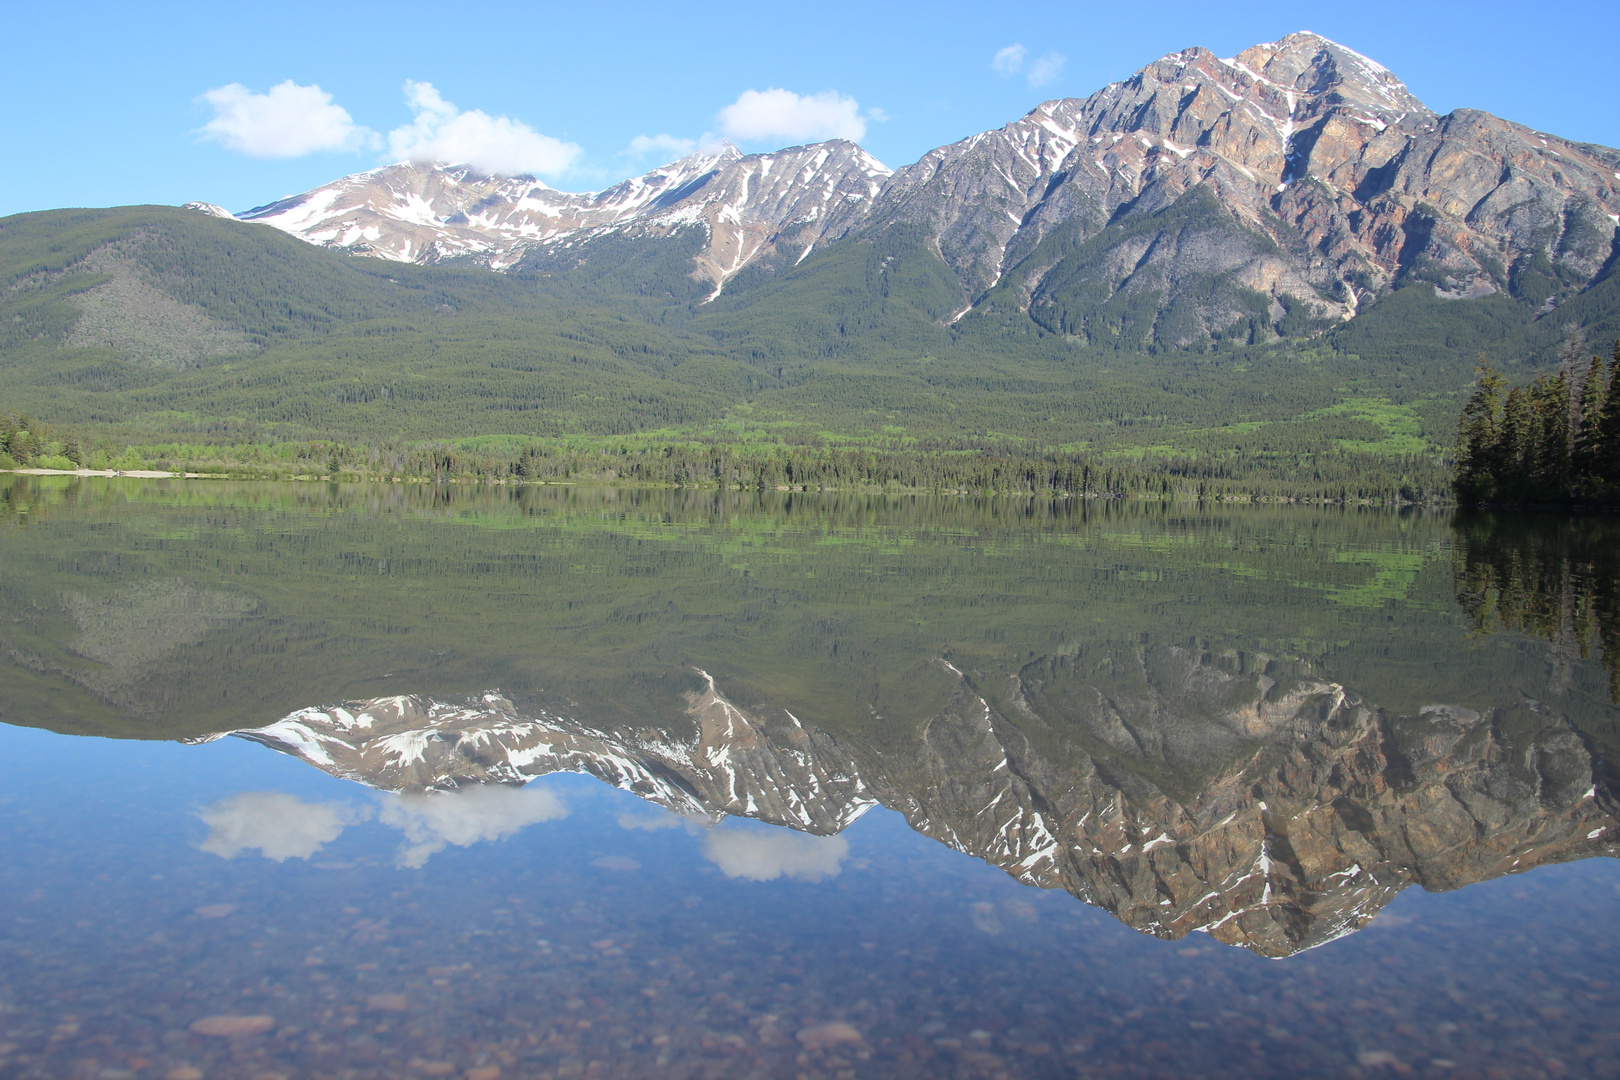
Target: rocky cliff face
[(1203, 198), (1307, 179), (1180, 791)]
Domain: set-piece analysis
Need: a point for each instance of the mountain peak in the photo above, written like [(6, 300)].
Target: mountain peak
[(210, 209), (1310, 64), (723, 150)]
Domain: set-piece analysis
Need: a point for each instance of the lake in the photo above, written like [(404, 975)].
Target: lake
[(346, 781)]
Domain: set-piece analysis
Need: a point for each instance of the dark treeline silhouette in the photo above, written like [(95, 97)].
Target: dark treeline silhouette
[(1556, 440), (1344, 479), (1554, 579)]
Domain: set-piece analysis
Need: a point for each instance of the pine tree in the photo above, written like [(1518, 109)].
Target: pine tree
[(1548, 465), (1587, 443), (1518, 446), (1607, 450), (1479, 437)]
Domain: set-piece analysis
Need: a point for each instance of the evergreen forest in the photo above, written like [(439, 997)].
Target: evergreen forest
[(1553, 440)]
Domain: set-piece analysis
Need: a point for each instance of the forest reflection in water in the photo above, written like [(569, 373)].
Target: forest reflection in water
[(1554, 577), (1260, 724)]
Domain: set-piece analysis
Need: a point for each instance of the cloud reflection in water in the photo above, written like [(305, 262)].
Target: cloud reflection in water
[(433, 820), (277, 825), (767, 854), (281, 826)]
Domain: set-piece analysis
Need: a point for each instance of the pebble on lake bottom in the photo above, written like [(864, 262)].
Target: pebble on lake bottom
[(825, 1036), (230, 1026)]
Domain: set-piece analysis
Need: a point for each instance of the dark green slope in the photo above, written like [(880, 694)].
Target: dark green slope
[(151, 324), (318, 343), (868, 299)]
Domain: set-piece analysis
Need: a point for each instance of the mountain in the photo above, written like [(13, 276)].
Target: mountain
[(1277, 271), (1296, 179), (1278, 192), (1328, 808), (436, 213)]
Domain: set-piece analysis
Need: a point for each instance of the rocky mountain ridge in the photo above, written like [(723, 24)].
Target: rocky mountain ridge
[(1319, 807), (443, 213), (1202, 198)]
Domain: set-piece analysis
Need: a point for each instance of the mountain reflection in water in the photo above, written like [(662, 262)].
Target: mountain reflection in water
[(1258, 723), (1328, 808)]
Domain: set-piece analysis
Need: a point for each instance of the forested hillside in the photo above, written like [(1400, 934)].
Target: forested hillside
[(200, 340)]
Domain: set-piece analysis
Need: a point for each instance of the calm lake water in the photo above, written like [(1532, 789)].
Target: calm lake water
[(371, 781)]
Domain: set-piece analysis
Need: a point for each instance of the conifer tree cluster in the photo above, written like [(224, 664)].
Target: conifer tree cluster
[(1556, 440)]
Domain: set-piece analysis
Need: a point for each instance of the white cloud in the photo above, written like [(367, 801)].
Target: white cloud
[(1048, 69), (279, 826), (764, 855), (289, 121), (1043, 71), (642, 145), (433, 820), (493, 144), (781, 114), (1009, 61)]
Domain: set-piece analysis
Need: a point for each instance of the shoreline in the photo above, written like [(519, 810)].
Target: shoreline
[(138, 474), (155, 474)]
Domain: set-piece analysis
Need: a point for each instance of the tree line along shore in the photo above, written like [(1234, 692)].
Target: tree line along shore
[(28, 443)]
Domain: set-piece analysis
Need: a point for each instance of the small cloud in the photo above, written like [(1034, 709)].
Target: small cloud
[(1043, 71), (1047, 70), (494, 144), (764, 855), (277, 825), (433, 820), (642, 145), (289, 121), (759, 115), (877, 115), (1009, 61), (660, 819)]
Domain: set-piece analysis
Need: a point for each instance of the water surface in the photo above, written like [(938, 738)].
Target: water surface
[(383, 781)]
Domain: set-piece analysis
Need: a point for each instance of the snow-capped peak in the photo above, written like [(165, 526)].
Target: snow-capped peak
[(210, 209)]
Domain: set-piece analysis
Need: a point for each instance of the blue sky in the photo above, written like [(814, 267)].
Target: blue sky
[(110, 104)]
